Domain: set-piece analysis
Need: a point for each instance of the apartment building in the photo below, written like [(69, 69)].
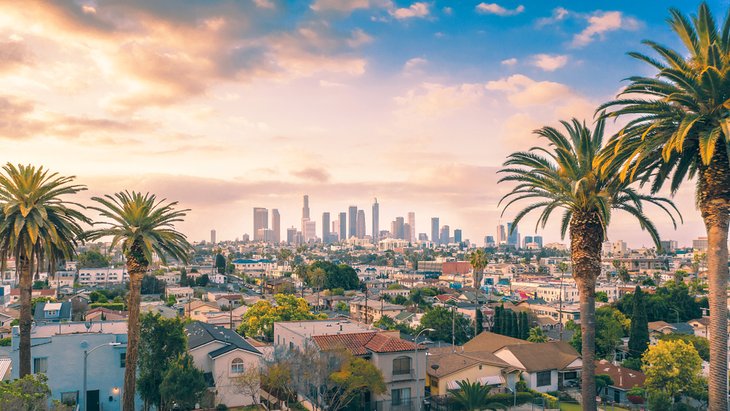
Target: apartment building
[(103, 276)]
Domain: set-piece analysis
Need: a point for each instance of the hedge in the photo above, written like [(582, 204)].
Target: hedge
[(509, 399)]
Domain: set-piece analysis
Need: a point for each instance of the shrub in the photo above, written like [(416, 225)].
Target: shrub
[(509, 399), (221, 407)]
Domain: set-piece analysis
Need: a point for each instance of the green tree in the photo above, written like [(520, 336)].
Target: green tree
[(602, 297), (143, 226), (679, 131), (183, 277), (611, 326), (440, 319), (701, 344), (183, 384), (355, 377), (92, 259), (260, 318), (29, 393), (478, 260), (37, 225), (202, 280), (473, 396), (162, 341), (639, 335), (671, 368), (572, 176), (603, 381), (524, 326), (152, 285), (537, 335), (337, 276), (220, 263)]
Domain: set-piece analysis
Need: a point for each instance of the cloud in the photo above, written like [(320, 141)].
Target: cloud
[(494, 8), (359, 38), (523, 91), (509, 62), (415, 10), (314, 174), (602, 22), (559, 14), (264, 4), (344, 6), (431, 100), (14, 54), (414, 65), (549, 62)]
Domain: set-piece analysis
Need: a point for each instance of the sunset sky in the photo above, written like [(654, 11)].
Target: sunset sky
[(230, 105)]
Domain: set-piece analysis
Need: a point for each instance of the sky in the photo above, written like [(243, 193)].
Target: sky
[(229, 105)]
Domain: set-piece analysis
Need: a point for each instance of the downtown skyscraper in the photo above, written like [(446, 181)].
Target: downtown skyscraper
[(260, 223), (411, 236), (435, 230), (326, 228), (275, 226), (343, 226), (352, 222), (376, 221), (361, 230)]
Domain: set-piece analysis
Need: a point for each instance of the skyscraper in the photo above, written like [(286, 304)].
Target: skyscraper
[(291, 235), (310, 231), (537, 240), (360, 224), (352, 222), (212, 237), (412, 226), (407, 232), (445, 235), (457, 235), (343, 226), (513, 237), (398, 228), (260, 222), (501, 236), (526, 240), (305, 208), (275, 226), (376, 221), (326, 227), (435, 230), (489, 241)]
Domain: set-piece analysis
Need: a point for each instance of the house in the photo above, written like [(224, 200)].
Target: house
[(5, 366), (491, 342), (228, 300), (222, 355), (225, 318), (58, 352), (15, 294), (180, 293), (52, 312), (446, 367), (7, 316), (545, 366), (659, 328), (105, 314), (196, 310), (701, 327), (623, 379), (159, 308), (369, 310)]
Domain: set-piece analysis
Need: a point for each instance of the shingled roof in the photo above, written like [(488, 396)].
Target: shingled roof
[(535, 357), (201, 333), (363, 343), (449, 362), (491, 342)]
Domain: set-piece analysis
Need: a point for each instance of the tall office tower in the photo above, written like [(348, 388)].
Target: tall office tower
[(305, 209), (352, 222), (537, 240), (412, 224), (489, 241), (513, 237), (260, 222), (407, 232), (335, 232), (501, 235), (343, 226), (275, 226), (526, 240), (445, 234), (310, 231), (361, 231), (435, 230), (398, 229), (457, 235), (291, 235), (212, 237), (376, 221), (422, 237), (326, 227)]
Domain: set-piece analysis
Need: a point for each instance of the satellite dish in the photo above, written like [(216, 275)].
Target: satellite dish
[(84, 344)]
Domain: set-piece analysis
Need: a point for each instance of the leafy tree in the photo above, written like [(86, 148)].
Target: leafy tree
[(355, 377), (202, 280), (602, 297), (336, 276), (440, 319), (671, 302), (572, 176), (632, 363), (672, 367), (37, 226), (678, 131), (260, 317), (702, 345), (29, 393), (472, 396), (5, 342), (92, 259), (603, 381), (524, 326), (162, 341), (152, 285), (249, 383), (639, 335), (341, 306), (220, 263), (183, 277), (610, 328), (183, 384), (537, 335), (143, 226), (478, 260)]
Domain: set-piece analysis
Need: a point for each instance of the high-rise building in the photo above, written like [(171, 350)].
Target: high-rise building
[(352, 222), (343, 226), (422, 237), (435, 230), (305, 208), (445, 235), (501, 235), (291, 236), (526, 240), (376, 221), (360, 232), (212, 237), (489, 241), (513, 236), (275, 226), (407, 232), (537, 240), (412, 225), (310, 231), (260, 222), (457, 235), (326, 227), (397, 229)]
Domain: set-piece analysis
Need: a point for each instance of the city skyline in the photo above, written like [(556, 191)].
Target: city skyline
[(224, 106)]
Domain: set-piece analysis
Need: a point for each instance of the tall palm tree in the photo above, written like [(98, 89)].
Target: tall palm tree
[(143, 226), (478, 260), (679, 128), (569, 176), (36, 225)]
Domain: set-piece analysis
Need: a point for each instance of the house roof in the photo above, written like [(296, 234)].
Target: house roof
[(703, 320), (41, 293), (659, 325), (449, 362), (556, 355), (363, 343), (64, 311), (623, 378), (683, 328), (201, 333), (487, 341)]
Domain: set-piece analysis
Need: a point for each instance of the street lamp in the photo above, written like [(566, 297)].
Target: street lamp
[(415, 351), (86, 355)]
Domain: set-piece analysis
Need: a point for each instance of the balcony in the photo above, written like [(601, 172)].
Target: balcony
[(401, 375)]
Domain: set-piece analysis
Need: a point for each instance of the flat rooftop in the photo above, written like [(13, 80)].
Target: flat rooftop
[(323, 327), (96, 327)]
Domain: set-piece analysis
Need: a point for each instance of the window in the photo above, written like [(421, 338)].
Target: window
[(122, 360), (400, 396), (402, 365), (237, 366), (70, 398), (40, 365), (544, 378), (572, 375)]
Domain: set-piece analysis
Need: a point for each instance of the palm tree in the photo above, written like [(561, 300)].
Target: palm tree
[(36, 225), (679, 129), (568, 175), (472, 396), (537, 335), (144, 227), (478, 260)]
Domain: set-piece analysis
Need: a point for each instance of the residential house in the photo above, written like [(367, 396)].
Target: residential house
[(105, 314), (197, 310), (103, 276), (448, 366), (226, 318), (159, 308), (369, 310), (52, 312), (701, 326), (229, 300), (7, 316), (222, 355), (623, 379), (545, 366), (15, 295), (180, 293)]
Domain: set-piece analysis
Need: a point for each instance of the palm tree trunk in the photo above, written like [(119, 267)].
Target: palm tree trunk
[(586, 240), (713, 197), (26, 319), (136, 272)]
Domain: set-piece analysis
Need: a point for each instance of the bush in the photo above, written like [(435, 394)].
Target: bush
[(5, 342), (521, 386), (509, 399), (221, 407)]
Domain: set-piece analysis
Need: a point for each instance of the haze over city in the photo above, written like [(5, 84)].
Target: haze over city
[(226, 106)]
